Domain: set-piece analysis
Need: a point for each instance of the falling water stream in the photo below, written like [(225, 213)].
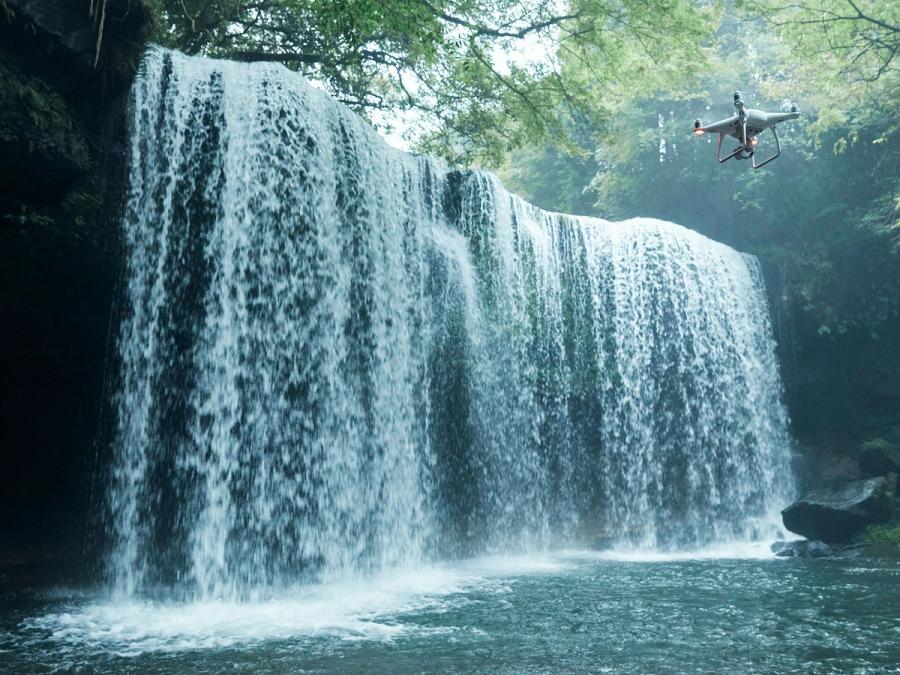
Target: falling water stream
[(339, 363), (338, 358)]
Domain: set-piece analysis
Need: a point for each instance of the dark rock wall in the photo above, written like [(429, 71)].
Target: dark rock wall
[(62, 164), (842, 388)]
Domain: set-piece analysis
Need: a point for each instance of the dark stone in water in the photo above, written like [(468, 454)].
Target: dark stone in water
[(834, 516), (805, 548), (802, 549)]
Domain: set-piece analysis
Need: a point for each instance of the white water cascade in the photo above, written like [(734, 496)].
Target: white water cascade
[(337, 358)]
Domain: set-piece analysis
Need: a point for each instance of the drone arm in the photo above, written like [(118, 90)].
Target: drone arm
[(773, 157)]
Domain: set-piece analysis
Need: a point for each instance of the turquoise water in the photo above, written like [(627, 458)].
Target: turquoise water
[(566, 612)]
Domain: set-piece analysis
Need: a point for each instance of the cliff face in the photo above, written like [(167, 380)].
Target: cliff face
[(62, 134), (842, 381)]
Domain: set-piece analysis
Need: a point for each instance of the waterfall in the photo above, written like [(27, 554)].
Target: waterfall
[(336, 357)]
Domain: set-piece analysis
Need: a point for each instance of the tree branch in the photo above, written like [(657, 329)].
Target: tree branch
[(496, 32)]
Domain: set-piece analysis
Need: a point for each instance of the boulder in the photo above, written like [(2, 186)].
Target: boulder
[(802, 548), (879, 458), (834, 516)]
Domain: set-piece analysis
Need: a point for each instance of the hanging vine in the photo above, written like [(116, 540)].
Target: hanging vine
[(97, 12)]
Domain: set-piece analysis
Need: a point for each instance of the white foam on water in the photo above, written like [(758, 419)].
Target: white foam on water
[(376, 608), (372, 608), (736, 550), (359, 609), (518, 565)]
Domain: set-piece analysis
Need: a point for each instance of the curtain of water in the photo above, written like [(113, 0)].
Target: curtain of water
[(338, 357)]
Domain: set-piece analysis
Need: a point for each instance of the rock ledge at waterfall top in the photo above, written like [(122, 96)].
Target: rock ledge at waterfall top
[(835, 516)]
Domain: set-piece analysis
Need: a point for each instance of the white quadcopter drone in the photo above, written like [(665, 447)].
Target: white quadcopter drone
[(746, 125)]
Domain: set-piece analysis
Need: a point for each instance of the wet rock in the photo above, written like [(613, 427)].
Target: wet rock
[(873, 552), (69, 23), (859, 550), (879, 458), (803, 548), (42, 149), (834, 516), (87, 60), (893, 481), (72, 28)]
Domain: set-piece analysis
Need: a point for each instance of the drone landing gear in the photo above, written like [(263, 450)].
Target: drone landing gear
[(739, 149), (773, 157), (750, 153)]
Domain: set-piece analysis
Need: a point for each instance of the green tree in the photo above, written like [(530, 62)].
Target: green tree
[(479, 77)]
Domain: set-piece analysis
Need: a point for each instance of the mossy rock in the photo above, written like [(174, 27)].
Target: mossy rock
[(885, 534), (42, 150), (876, 444)]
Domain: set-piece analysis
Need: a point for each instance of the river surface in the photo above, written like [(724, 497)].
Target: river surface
[(565, 612)]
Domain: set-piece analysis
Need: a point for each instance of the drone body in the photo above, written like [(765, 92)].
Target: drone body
[(746, 125)]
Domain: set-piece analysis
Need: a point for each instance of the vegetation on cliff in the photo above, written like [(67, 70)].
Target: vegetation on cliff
[(473, 77)]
